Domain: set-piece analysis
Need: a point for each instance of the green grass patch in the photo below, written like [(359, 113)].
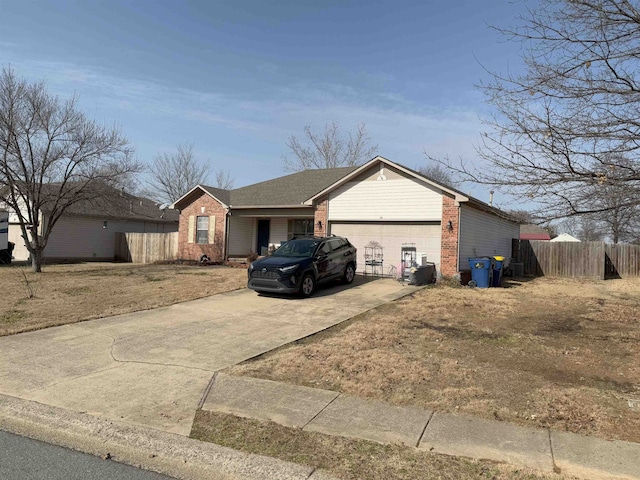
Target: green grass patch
[(153, 278), (78, 291), (12, 316)]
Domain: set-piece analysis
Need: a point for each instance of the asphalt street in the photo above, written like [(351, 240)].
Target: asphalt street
[(22, 458)]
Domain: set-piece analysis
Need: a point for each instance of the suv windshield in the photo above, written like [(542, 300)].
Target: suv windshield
[(297, 248)]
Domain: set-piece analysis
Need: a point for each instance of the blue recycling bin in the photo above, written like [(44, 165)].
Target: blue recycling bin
[(497, 264), (480, 272)]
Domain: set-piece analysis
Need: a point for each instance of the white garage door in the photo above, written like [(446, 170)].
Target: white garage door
[(391, 236)]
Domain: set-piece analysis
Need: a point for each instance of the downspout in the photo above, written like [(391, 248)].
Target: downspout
[(459, 236), (225, 248)]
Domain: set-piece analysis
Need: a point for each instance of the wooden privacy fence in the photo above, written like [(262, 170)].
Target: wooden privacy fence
[(578, 259), (622, 261), (146, 247)]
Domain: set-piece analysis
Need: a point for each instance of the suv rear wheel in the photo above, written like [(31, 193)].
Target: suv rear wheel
[(349, 274), (308, 285)]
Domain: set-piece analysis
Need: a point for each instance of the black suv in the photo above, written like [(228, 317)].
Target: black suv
[(299, 265)]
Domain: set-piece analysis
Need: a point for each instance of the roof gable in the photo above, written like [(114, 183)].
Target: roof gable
[(218, 194), (371, 164)]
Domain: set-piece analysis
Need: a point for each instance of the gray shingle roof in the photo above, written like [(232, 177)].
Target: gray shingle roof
[(288, 190), (219, 193), (112, 203)]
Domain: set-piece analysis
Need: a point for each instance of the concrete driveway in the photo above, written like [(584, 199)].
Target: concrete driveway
[(151, 368)]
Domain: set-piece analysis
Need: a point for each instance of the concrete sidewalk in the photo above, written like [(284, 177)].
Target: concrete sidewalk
[(342, 415)]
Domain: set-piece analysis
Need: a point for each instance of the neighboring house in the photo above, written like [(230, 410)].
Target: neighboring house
[(87, 230), (533, 232), (565, 237), (379, 201)]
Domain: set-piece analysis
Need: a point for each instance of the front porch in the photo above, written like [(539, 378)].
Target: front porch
[(259, 232)]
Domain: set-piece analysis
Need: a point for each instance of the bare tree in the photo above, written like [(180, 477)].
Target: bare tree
[(224, 179), (438, 173), (52, 158), (174, 174), (524, 217), (329, 148), (562, 126), (617, 209), (584, 227)]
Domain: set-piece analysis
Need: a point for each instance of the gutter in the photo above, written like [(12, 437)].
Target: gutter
[(247, 207), (225, 247)]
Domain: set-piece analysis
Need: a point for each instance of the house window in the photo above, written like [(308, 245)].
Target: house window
[(202, 230), (300, 228)]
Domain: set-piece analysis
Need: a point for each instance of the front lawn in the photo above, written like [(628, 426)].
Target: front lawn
[(70, 293), (557, 353)]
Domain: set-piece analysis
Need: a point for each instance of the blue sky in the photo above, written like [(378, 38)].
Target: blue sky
[(237, 78)]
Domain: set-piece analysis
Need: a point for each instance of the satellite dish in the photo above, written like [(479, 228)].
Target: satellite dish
[(164, 206)]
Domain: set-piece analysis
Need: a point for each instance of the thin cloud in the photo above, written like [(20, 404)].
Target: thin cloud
[(402, 129)]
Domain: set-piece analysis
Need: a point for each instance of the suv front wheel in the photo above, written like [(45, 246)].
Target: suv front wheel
[(308, 285)]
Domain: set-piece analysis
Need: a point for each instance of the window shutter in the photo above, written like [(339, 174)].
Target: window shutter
[(212, 229), (192, 224)]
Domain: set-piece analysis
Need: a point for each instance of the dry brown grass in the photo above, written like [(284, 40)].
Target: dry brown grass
[(555, 353), (72, 293), (346, 458)]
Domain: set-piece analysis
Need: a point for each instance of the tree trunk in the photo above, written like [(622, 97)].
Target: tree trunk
[(36, 261)]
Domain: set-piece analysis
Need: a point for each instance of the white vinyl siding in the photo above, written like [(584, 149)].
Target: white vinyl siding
[(395, 199), (85, 237), (391, 236), (278, 231), (483, 234), (241, 235)]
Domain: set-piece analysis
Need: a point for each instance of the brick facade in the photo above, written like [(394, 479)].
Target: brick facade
[(204, 205), (449, 239), (320, 215)]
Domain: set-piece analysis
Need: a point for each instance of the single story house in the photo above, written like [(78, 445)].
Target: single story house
[(87, 230), (533, 232), (380, 201)]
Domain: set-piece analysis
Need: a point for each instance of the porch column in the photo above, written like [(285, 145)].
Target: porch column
[(320, 218)]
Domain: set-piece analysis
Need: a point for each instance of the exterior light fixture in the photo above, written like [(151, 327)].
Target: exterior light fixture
[(450, 226), (319, 224)]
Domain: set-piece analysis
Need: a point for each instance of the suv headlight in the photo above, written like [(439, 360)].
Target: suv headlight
[(289, 269)]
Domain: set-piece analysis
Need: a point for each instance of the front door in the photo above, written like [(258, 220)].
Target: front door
[(263, 237)]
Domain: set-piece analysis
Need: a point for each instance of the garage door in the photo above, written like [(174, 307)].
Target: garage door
[(391, 236)]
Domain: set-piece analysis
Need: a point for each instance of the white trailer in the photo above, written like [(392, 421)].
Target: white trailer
[(4, 230), (5, 251)]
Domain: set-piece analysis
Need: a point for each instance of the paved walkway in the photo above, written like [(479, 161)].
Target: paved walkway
[(151, 368), (338, 414)]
